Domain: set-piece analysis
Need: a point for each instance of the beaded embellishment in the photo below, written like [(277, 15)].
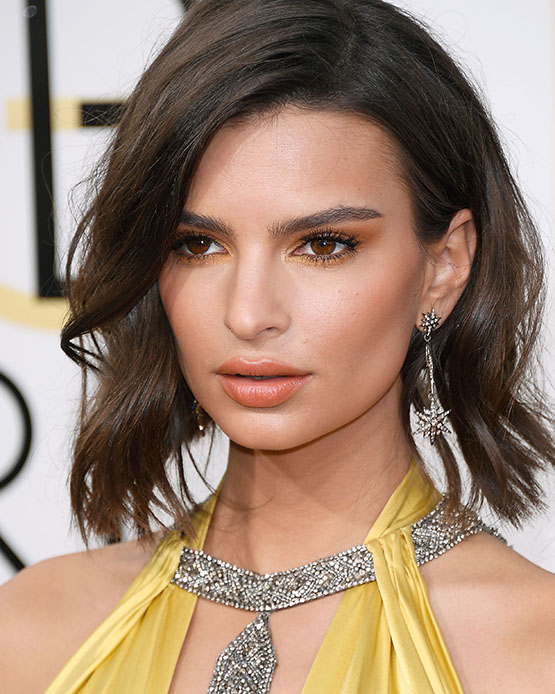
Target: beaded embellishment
[(247, 664)]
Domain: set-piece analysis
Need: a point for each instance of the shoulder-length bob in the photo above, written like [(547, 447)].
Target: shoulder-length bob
[(230, 59)]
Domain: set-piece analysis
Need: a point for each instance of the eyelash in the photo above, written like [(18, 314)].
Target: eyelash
[(349, 242)]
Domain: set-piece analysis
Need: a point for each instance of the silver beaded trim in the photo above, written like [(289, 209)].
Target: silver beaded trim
[(248, 663), (435, 533), (228, 584), (220, 581)]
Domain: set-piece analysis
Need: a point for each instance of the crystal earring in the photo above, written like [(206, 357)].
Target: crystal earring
[(198, 416), (432, 418)]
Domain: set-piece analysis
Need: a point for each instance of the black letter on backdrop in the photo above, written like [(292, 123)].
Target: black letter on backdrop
[(35, 14), (20, 460)]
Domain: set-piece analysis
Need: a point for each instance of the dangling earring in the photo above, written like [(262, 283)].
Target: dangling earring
[(432, 418), (198, 416)]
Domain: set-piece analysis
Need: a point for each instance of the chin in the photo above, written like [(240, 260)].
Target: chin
[(261, 436)]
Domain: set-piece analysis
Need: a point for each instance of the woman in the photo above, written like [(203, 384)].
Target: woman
[(305, 227)]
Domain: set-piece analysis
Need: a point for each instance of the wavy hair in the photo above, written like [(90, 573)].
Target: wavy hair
[(232, 59)]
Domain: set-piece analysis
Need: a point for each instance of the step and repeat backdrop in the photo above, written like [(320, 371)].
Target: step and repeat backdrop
[(65, 68)]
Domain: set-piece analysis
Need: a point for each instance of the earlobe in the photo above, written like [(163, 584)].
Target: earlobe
[(449, 264)]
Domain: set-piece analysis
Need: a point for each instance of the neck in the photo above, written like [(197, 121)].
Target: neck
[(279, 509)]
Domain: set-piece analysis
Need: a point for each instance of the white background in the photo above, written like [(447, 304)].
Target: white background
[(97, 51)]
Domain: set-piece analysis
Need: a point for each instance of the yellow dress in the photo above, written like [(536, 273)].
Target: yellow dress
[(383, 639)]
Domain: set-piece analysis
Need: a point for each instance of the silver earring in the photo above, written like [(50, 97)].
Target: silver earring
[(432, 418), (198, 416)]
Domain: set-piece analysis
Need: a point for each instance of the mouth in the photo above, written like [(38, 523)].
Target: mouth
[(264, 383)]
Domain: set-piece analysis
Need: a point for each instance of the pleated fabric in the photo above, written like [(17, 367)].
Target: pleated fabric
[(383, 639)]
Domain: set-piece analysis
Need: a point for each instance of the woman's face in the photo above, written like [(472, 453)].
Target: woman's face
[(297, 247)]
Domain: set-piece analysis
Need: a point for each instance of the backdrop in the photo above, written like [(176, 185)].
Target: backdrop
[(93, 53)]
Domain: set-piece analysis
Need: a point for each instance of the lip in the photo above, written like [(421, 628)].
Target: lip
[(282, 381), (258, 367)]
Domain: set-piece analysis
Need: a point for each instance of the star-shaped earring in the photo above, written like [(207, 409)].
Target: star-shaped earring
[(432, 422), (432, 419)]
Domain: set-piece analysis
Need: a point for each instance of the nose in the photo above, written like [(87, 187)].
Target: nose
[(257, 300)]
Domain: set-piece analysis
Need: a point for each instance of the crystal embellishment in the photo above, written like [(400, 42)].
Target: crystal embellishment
[(228, 584), (432, 419), (247, 664), (430, 321)]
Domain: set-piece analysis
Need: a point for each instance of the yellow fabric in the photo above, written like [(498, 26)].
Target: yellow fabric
[(383, 639)]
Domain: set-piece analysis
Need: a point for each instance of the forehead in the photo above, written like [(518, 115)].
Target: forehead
[(300, 157)]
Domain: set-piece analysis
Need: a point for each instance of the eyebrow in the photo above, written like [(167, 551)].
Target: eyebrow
[(334, 215)]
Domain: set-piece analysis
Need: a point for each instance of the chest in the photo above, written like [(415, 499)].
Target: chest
[(297, 634)]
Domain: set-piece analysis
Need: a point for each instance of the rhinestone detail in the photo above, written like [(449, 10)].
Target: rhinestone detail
[(435, 533), (430, 321), (247, 664), (230, 585)]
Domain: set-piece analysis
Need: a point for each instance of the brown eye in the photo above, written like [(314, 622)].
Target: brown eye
[(323, 246), (197, 245), (327, 246)]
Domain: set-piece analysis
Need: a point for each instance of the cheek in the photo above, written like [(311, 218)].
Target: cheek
[(366, 323), (186, 313)]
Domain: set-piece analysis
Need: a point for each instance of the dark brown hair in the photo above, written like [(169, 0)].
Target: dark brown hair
[(235, 58)]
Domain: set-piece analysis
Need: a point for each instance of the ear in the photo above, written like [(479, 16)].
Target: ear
[(448, 266)]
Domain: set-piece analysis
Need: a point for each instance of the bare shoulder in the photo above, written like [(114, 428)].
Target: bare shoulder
[(496, 611), (50, 608)]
